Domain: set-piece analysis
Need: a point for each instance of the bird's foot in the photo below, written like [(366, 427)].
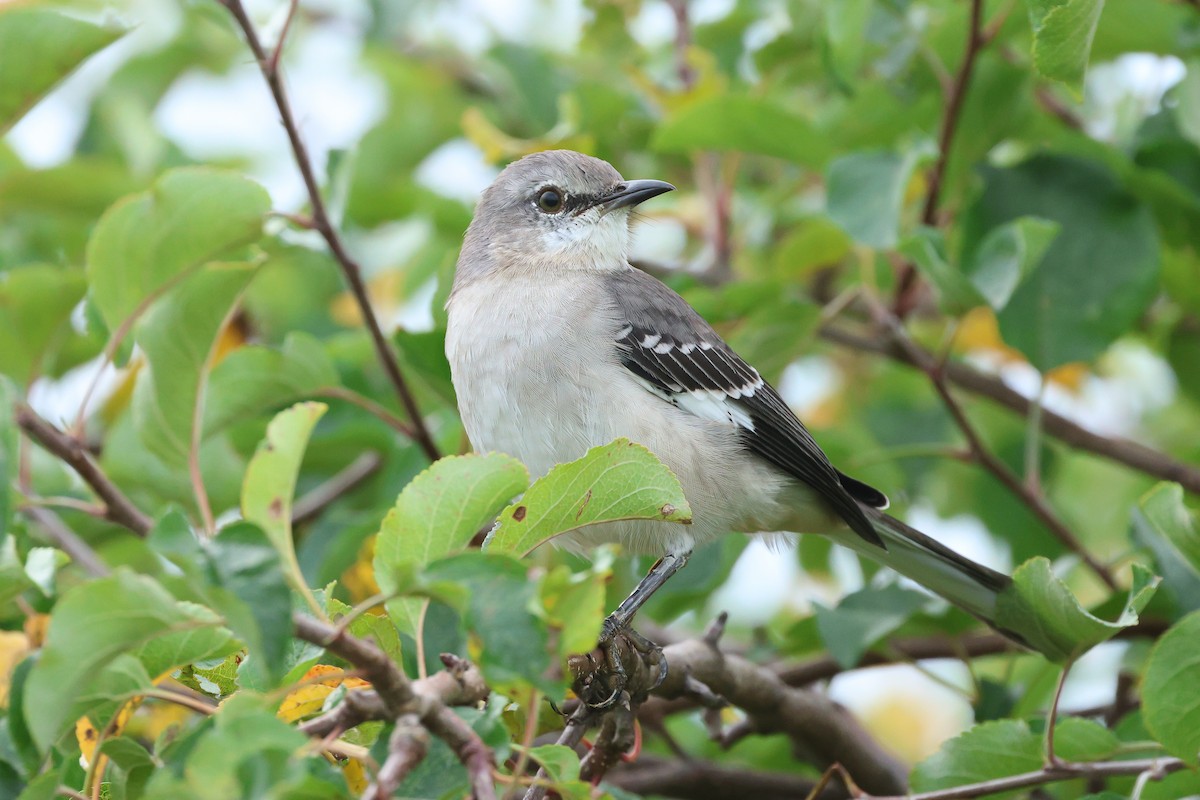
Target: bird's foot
[(624, 664)]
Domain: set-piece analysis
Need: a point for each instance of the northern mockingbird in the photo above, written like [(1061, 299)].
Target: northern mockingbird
[(556, 345)]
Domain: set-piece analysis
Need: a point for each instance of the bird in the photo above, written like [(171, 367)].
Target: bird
[(557, 344)]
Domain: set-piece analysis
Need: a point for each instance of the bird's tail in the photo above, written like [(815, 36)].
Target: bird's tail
[(970, 586)]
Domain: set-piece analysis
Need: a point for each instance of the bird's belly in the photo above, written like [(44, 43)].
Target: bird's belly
[(532, 388)]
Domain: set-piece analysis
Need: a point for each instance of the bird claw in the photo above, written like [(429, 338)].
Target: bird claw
[(620, 650)]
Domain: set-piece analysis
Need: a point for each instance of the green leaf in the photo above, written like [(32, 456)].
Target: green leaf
[(207, 640), (863, 618), (575, 604), (177, 336), (1171, 690), (1079, 739), (560, 762), (255, 379), (927, 249), (984, 752), (92, 624), (248, 565), (269, 486), (513, 646), (845, 36), (1007, 255), (1039, 607), (866, 191), (437, 514), (1062, 38), (617, 481), (371, 627), (9, 450), (37, 300), (1164, 523), (740, 123), (38, 48), (146, 241), (1098, 275)]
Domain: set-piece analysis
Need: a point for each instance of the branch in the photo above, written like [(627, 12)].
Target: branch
[(314, 502), (67, 540), (1156, 767), (396, 698), (268, 64), (1032, 499), (703, 780), (958, 92), (1123, 451), (406, 748), (118, 508), (907, 282)]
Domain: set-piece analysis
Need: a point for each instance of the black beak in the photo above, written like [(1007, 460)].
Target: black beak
[(630, 193)]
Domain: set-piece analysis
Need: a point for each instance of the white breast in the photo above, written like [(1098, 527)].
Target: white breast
[(532, 381)]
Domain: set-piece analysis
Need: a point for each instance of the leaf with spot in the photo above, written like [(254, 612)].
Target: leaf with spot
[(621, 480), (269, 486), (437, 514)]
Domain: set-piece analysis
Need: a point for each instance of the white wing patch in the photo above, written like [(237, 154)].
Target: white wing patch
[(713, 405)]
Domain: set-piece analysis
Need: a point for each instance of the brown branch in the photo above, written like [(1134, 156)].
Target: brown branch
[(67, 540), (321, 497), (704, 780), (1123, 451), (118, 508), (988, 460), (406, 748), (907, 283), (1156, 767), (958, 93), (571, 736), (396, 697), (268, 65)]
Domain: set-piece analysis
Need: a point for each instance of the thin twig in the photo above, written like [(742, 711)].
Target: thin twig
[(67, 540), (1052, 774), (907, 282), (1052, 759), (988, 460), (118, 508), (312, 503), (1123, 451), (268, 65)]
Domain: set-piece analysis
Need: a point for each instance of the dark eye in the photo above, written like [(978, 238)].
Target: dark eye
[(550, 201)]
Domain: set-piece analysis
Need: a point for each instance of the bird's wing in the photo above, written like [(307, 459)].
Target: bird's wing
[(678, 356)]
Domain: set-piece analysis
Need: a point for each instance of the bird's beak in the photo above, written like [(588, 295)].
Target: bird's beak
[(630, 193)]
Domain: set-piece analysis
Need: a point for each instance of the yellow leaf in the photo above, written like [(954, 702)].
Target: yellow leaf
[(356, 776), (13, 647), (314, 688), (359, 577), (303, 702), (88, 736)]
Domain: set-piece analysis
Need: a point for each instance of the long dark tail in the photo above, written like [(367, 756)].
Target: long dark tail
[(970, 586)]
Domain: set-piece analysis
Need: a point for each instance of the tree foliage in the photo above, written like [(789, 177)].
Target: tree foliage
[(232, 568)]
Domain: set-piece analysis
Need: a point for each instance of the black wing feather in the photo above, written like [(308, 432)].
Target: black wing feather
[(691, 356)]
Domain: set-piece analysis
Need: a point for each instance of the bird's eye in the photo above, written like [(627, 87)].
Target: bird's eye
[(550, 201)]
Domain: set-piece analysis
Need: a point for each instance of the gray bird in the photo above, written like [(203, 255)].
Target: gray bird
[(557, 344)]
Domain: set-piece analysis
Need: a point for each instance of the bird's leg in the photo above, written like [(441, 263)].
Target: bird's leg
[(617, 623)]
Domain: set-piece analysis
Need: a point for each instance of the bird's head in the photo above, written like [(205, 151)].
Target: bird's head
[(554, 210)]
